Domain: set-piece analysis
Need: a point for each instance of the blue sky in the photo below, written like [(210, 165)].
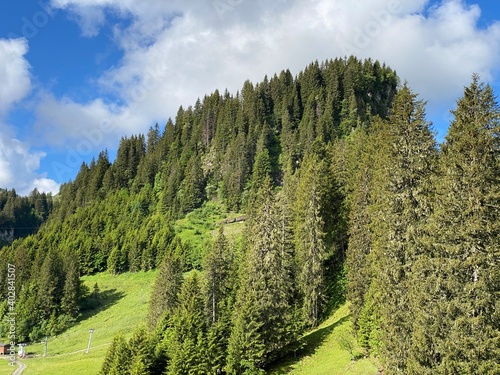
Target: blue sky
[(76, 75)]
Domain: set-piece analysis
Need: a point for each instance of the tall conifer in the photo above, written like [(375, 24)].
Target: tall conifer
[(310, 237), (412, 153), (458, 324)]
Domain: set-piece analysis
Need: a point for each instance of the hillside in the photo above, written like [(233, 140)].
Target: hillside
[(121, 305), (261, 211), (323, 353)]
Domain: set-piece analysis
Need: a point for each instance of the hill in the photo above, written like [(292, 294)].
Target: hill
[(343, 191), (122, 304)]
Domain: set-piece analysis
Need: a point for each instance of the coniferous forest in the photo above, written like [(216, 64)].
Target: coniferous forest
[(347, 196)]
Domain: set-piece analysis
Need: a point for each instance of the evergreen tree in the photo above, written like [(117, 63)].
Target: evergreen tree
[(119, 357), (360, 237), (219, 277), (50, 282), (310, 238), (109, 359), (412, 155), (193, 186), (218, 289), (262, 321), (164, 297), (141, 352), (72, 289), (457, 327), (365, 175), (188, 335)]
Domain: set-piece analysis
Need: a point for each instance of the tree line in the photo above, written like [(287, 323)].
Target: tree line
[(423, 251), (22, 216)]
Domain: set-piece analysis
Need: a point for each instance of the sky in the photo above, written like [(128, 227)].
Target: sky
[(77, 75)]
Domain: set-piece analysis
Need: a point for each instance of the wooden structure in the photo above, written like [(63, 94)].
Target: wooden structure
[(4, 349)]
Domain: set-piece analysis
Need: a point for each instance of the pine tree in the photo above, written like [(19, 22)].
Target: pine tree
[(458, 302), (412, 155), (310, 238), (263, 314), (188, 335), (164, 297)]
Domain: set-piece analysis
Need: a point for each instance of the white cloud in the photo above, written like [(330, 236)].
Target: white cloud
[(65, 122), (90, 19), (18, 165), (14, 72), (177, 51)]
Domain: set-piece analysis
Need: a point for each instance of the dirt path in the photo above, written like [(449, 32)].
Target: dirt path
[(20, 369), (22, 365)]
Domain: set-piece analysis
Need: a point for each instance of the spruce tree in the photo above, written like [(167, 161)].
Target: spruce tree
[(459, 315), (412, 155), (188, 334), (310, 238), (366, 159), (117, 360), (141, 351), (71, 291), (218, 289), (164, 297), (263, 314), (219, 277), (360, 237)]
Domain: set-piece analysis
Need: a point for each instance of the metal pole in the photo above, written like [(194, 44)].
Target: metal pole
[(91, 331), (45, 347)]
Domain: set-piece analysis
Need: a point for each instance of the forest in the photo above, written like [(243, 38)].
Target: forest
[(347, 196)]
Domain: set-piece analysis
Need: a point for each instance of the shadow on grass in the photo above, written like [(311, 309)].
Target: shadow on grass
[(91, 305), (309, 345)]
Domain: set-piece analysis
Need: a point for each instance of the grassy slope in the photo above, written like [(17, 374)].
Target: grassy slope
[(201, 225), (325, 351), (124, 305), (5, 369)]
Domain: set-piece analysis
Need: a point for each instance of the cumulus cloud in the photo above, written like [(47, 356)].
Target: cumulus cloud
[(18, 164), (14, 72), (177, 51)]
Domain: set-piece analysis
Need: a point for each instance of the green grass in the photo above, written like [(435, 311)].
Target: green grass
[(326, 351), (5, 368), (124, 304), (200, 227)]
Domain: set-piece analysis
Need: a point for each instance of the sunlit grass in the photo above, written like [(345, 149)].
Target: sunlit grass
[(124, 304), (5, 368), (324, 353)]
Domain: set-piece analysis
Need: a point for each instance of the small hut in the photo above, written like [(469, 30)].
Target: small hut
[(4, 349)]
